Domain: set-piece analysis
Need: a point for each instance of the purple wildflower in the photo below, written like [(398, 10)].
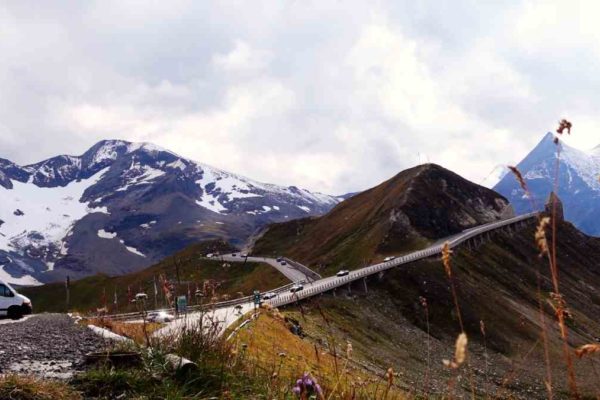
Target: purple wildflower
[(307, 386)]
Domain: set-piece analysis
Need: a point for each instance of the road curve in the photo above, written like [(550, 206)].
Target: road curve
[(288, 271), (330, 283), (226, 315)]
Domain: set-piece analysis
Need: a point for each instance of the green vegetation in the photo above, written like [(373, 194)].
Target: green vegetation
[(232, 280), (15, 387)]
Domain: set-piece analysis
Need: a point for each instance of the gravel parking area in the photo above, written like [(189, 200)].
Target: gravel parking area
[(47, 345)]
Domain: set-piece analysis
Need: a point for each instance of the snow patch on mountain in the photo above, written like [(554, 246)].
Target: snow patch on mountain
[(586, 163), (177, 164), (26, 280), (139, 175), (106, 235), (212, 204), (47, 212), (132, 249)]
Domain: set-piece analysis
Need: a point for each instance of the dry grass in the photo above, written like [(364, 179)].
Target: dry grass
[(269, 345), (134, 331), (13, 387)]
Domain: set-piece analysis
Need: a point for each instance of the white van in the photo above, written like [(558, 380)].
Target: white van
[(13, 304)]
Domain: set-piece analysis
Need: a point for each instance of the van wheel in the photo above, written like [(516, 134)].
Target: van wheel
[(14, 312)]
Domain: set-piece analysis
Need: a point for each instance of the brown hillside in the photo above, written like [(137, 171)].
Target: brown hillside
[(410, 210), (496, 283)]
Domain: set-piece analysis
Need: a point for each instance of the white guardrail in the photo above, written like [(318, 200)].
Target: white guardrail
[(327, 284), (317, 288), (199, 307)]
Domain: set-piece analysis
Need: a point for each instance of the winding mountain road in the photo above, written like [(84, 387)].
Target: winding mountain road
[(329, 283)]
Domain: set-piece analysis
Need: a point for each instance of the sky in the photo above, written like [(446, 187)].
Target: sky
[(332, 96)]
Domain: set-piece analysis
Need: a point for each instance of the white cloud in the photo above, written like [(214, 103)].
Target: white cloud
[(333, 97), (242, 58)]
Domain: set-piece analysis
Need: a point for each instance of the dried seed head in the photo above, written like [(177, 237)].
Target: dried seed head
[(349, 350), (562, 125), (446, 259), (460, 352), (482, 327), (540, 236), (461, 348), (587, 349), (390, 376), (519, 177), (423, 301)]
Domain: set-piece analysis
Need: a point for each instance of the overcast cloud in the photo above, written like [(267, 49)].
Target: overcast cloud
[(334, 96)]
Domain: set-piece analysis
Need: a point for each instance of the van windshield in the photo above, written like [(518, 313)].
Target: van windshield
[(9, 287)]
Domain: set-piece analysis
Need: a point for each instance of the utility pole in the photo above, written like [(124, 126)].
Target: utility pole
[(68, 288)]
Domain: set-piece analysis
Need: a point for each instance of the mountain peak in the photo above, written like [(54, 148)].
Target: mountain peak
[(417, 205), (151, 201), (578, 184)]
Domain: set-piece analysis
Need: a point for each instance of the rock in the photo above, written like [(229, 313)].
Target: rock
[(50, 346)]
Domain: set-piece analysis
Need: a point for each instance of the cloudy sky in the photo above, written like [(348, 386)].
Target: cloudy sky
[(334, 96)]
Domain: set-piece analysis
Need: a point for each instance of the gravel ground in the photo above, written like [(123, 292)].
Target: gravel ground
[(47, 345)]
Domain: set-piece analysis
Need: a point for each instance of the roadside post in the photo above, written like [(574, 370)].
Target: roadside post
[(182, 304), (68, 288), (256, 297)]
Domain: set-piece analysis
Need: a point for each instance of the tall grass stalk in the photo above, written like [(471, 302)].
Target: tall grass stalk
[(560, 303), (544, 334)]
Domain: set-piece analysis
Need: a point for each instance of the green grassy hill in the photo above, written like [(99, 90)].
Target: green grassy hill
[(231, 281)]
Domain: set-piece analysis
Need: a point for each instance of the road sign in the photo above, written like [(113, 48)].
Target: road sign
[(256, 297), (182, 304)]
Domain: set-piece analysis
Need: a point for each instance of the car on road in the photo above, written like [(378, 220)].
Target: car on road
[(296, 288), (343, 272), (160, 316), (245, 255), (233, 254), (279, 259), (269, 296), (141, 297), (390, 258), (13, 304), (282, 262)]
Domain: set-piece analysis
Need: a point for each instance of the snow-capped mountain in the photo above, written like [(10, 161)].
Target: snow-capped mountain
[(578, 184), (123, 206)]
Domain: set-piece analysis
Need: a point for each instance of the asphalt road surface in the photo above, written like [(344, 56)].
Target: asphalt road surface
[(291, 273)]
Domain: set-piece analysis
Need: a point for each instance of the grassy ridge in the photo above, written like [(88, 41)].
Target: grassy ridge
[(497, 284), (407, 212)]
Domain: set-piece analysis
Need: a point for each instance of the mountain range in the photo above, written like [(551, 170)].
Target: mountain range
[(408, 316), (121, 207), (576, 182)]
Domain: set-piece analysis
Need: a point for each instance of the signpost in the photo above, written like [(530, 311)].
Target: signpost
[(68, 288), (182, 304), (256, 297)]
